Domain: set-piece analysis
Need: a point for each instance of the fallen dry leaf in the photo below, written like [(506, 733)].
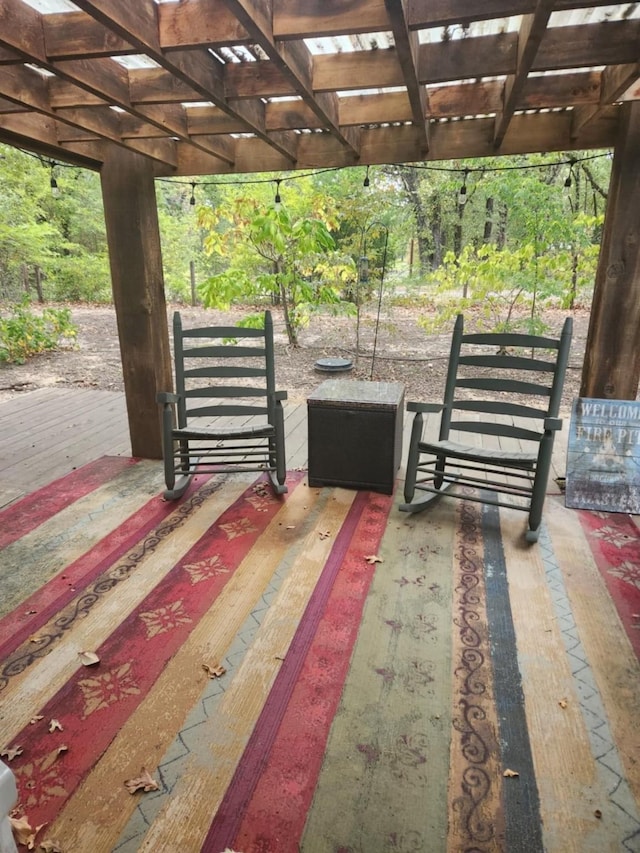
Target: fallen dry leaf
[(88, 658), (563, 703), (62, 748), (325, 534), (215, 671), (55, 726), (373, 558), (36, 719), (11, 753), (144, 782), (510, 774), (23, 832), (50, 845), (32, 841), (598, 814), (36, 639)]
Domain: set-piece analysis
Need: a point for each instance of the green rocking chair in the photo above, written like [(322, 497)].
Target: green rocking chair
[(226, 415), (502, 444)]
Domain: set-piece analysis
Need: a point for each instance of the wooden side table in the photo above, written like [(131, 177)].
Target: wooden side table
[(355, 434)]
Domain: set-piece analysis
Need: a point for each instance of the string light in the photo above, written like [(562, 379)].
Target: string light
[(277, 200), (55, 192), (569, 178), (236, 180), (192, 200), (462, 195)]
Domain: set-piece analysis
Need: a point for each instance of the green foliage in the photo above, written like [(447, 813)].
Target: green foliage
[(64, 236), (494, 282), (24, 333), (283, 255), (222, 290), (543, 225), (181, 238)]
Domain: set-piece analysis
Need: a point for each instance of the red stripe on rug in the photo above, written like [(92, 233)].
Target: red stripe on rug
[(266, 804), (95, 703), (34, 612), (614, 540), (30, 512)]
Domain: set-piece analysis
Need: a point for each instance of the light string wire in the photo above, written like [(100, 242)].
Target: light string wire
[(460, 170), (570, 161)]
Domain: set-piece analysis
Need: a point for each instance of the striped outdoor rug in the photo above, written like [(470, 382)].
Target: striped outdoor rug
[(316, 672)]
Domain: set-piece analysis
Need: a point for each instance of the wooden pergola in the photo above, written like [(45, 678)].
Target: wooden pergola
[(152, 88)]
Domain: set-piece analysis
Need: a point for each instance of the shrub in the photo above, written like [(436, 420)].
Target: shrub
[(23, 333)]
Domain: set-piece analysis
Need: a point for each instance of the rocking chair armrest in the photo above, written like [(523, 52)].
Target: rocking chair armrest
[(167, 397), (552, 424), (413, 406), (281, 395)]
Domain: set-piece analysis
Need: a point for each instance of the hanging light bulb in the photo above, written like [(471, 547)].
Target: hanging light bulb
[(366, 181), (55, 192), (192, 200), (462, 195), (277, 202), (569, 179)]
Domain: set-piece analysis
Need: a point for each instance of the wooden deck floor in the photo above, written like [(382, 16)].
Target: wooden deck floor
[(560, 679), (47, 433)]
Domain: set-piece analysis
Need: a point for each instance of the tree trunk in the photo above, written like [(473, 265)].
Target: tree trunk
[(411, 183), (436, 235), (39, 290), (488, 220), (502, 227)]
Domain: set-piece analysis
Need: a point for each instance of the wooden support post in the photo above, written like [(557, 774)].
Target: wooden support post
[(135, 256), (612, 360)]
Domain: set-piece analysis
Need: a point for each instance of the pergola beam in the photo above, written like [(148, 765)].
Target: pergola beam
[(531, 33), (408, 47)]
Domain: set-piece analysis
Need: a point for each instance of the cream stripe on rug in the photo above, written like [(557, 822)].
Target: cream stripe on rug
[(55, 544), (96, 815), (568, 785), (28, 692)]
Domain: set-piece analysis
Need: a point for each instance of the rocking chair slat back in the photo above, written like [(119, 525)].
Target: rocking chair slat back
[(215, 419), (507, 376)]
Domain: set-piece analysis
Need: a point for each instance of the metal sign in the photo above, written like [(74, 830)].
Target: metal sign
[(603, 456)]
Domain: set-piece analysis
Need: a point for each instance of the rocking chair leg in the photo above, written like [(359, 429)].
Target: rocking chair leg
[(412, 459)]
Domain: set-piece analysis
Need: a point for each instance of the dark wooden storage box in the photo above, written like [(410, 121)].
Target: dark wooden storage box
[(355, 434)]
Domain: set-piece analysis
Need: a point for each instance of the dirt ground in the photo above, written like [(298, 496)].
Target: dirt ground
[(403, 352)]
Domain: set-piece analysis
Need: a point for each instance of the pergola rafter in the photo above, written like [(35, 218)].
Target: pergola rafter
[(223, 86)]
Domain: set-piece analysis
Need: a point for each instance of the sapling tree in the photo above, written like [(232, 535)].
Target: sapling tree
[(276, 252)]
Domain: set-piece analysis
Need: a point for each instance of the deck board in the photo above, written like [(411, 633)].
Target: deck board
[(51, 431)]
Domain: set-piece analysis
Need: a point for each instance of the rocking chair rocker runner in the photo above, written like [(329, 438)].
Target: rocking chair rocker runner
[(211, 364), (496, 369)]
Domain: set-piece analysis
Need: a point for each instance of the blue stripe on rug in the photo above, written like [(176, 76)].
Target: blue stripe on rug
[(521, 800)]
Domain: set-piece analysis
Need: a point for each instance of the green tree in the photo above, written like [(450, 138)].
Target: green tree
[(294, 259), (62, 234)]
